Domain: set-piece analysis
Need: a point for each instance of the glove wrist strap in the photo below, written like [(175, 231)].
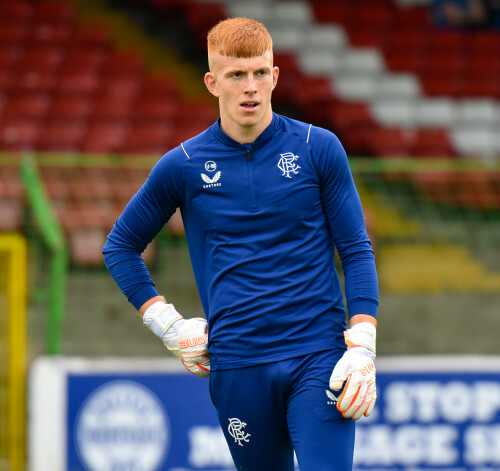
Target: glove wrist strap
[(362, 335), (159, 317)]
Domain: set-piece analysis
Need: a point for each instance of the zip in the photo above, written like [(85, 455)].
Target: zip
[(253, 202)]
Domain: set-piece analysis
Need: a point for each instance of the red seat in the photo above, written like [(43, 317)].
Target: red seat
[(80, 83), (61, 136), (290, 73), (154, 110), (18, 134), (91, 37), (148, 139), (124, 87), (39, 81), (123, 63), (314, 96), (202, 16), (390, 142), (194, 112), (11, 34), (432, 143), (442, 83), (54, 12), (105, 136), (160, 86), (113, 108), (19, 11), (83, 60), (480, 86), (42, 58), (27, 106), (347, 116), (9, 55), (332, 12), (70, 107), (55, 35)]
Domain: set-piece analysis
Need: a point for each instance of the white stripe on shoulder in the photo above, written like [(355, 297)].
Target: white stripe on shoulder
[(309, 133), (187, 155)]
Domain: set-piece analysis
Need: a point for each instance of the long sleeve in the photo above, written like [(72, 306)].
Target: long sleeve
[(142, 219), (345, 217)]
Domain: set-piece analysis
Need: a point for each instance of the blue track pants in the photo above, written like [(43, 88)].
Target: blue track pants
[(268, 411)]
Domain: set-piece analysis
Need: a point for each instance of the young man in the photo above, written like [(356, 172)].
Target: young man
[(264, 200)]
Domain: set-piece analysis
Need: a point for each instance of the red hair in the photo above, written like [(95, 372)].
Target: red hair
[(239, 37)]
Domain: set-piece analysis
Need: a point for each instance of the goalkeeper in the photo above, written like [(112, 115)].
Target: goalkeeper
[(264, 200)]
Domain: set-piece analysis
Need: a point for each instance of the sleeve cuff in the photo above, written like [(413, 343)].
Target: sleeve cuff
[(363, 306), (142, 295)]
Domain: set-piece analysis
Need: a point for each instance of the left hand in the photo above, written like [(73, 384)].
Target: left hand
[(357, 367)]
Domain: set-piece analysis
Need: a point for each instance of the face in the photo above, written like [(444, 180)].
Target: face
[(243, 87)]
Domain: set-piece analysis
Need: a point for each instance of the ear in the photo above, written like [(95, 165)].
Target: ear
[(211, 84), (276, 72)]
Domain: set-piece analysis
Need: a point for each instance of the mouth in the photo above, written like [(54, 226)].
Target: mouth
[(249, 105)]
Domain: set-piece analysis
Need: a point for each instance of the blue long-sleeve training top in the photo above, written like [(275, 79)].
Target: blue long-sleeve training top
[(261, 223)]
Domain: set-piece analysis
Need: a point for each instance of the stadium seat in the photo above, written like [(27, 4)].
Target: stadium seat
[(202, 16), (113, 108), (20, 11), (395, 112), (107, 136), (54, 12), (314, 96), (28, 106), (70, 107), (79, 83), (390, 142), (11, 34), (194, 113), (18, 134), (435, 113), (161, 87), (432, 143), (332, 12), (42, 58), (91, 37), (83, 60), (33, 81), (121, 87), (61, 136), (148, 139), (123, 63), (45, 33), (154, 110)]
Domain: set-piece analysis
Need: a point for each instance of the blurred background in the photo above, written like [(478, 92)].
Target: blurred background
[(94, 92)]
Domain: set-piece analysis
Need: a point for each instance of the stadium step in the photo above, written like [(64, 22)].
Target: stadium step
[(410, 268)]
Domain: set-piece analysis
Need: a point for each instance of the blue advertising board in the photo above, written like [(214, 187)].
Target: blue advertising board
[(425, 419)]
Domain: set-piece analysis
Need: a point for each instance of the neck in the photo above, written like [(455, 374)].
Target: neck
[(244, 134)]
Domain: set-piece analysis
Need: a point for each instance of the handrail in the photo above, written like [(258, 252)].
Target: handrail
[(54, 239)]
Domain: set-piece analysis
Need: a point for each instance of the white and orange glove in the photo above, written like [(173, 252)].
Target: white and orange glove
[(187, 339), (357, 367)]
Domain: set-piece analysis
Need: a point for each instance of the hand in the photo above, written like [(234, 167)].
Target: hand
[(357, 367), (187, 339), (189, 342)]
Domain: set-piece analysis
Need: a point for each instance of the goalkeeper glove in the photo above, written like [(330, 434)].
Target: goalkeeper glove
[(187, 339), (357, 367)]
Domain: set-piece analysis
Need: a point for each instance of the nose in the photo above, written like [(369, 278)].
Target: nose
[(250, 85)]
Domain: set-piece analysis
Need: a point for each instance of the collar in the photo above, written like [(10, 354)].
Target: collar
[(263, 136)]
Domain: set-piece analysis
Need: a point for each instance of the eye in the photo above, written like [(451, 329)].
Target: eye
[(237, 75), (261, 73)]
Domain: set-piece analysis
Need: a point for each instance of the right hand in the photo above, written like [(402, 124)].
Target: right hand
[(187, 339)]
